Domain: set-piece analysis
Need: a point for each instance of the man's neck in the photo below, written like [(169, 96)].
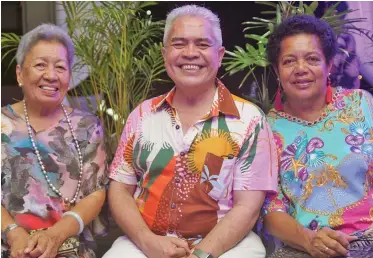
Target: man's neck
[(193, 98)]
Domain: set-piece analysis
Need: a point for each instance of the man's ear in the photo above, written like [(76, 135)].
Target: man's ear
[(221, 52), (164, 52)]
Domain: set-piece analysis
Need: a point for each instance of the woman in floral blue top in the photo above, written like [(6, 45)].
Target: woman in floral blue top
[(324, 137)]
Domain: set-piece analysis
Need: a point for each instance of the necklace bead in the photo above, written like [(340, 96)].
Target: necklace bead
[(80, 163)]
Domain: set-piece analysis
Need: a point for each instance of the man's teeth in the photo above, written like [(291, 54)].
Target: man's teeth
[(48, 88), (190, 67)]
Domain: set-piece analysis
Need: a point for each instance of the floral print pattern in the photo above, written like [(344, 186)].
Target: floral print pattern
[(25, 193), (326, 173), (185, 182)]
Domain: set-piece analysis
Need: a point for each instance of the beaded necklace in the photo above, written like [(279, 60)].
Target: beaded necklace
[(66, 202)]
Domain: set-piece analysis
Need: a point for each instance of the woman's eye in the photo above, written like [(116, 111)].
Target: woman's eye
[(288, 61), (313, 59), (40, 65), (61, 67)]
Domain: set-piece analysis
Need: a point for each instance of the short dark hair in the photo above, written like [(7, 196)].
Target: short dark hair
[(300, 24)]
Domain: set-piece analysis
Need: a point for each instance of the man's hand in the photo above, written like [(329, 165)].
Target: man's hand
[(17, 240), (165, 247), (43, 244), (329, 243)]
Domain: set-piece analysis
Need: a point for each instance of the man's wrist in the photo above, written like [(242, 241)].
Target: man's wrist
[(142, 237)]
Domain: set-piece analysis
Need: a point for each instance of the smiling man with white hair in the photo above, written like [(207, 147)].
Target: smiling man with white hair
[(193, 166)]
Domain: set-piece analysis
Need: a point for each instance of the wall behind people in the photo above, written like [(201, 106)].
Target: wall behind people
[(364, 46)]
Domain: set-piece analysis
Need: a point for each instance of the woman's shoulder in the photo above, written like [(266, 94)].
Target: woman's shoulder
[(360, 93), (10, 112), (81, 114), (84, 119)]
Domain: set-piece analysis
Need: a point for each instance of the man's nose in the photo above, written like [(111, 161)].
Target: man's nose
[(191, 51)]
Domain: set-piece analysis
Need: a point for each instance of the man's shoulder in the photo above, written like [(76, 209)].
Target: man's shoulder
[(246, 107), (151, 102)]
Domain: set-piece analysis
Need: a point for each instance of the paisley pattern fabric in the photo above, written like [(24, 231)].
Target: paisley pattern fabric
[(25, 192), (326, 170), (185, 182)]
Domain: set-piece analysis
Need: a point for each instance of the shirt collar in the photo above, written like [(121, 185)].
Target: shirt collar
[(223, 102)]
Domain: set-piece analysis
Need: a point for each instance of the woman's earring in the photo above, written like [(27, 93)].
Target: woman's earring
[(329, 92), (278, 100), (20, 85)]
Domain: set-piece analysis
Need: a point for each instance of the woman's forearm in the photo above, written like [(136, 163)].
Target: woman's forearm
[(88, 208), (288, 230), (6, 219)]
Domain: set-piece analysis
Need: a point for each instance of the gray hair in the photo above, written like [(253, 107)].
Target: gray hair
[(194, 10), (44, 32)]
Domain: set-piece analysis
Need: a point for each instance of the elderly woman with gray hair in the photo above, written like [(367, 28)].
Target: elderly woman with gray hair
[(53, 161)]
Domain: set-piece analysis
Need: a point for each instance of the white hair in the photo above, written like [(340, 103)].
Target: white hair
[(198, 11), (44, 32)]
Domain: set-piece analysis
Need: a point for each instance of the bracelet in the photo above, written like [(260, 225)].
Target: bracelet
[(6, 231), (78, 218)]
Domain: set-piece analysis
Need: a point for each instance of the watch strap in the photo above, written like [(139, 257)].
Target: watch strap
[(201, 254)]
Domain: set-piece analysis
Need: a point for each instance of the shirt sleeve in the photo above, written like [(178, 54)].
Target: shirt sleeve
[(95, 161), (276, 202), (257, 164), (121, 169)]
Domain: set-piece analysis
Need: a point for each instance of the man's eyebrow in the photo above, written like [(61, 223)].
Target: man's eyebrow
[(178, 39), (184, 39)]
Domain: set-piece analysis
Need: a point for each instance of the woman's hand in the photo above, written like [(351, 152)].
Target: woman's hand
[(43, 244), (330, 243), (17, 240)]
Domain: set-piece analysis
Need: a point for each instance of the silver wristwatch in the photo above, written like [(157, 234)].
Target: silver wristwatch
[(6, 231), (201, 254)]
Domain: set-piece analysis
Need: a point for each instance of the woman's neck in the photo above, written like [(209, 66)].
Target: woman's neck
[(308, 110), (41, 111)]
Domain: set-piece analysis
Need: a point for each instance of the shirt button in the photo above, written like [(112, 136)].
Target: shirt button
[(177, 180), (182, 154), (173, 205), (177, 127)]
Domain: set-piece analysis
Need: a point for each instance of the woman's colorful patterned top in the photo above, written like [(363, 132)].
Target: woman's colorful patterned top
[(326, 170), (25, 192)]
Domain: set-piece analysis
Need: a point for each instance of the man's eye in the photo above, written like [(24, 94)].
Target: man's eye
[(178, 45), (203, 45)]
